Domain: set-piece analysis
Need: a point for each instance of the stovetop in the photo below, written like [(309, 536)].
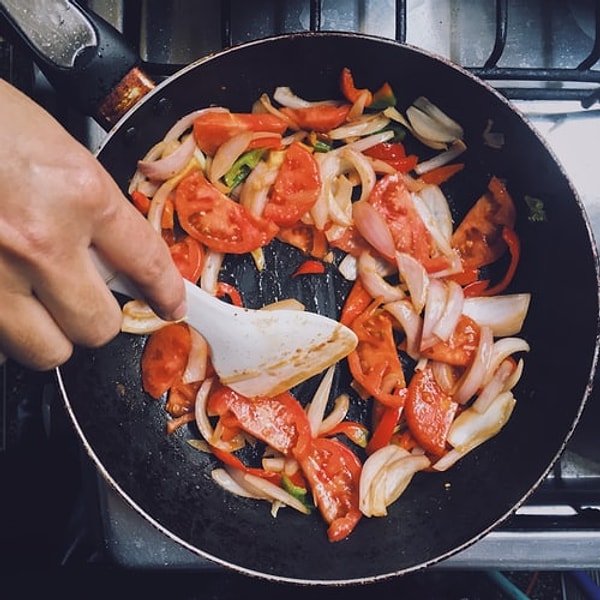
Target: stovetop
[(541, 54)]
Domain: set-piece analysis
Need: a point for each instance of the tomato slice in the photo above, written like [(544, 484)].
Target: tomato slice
[(322, 118), (375, 363), (349, 89), (213, 128), (188, 256), (296, 188), (429, 412), (280, 421), (164, 358), (217, 221), (391, 198), (333, 473), (394, 154), (478, 238), (460, 347), (182, 398)]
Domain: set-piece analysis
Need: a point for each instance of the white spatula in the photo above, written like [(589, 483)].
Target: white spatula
[(259, 352)]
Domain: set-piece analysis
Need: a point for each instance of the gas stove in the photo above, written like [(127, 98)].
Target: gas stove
[(540, 54)]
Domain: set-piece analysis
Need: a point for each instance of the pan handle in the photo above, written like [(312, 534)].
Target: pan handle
[(81, 55)]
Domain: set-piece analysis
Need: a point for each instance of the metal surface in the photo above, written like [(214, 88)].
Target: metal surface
[(56, 28)]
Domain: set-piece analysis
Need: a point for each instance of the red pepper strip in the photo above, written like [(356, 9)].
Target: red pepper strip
[(355, 432), (309, 267), (226, 289), (441, 174), (233, 461), (356, 303), (384, 429), (350, 91), (511, 238), (141, 202)]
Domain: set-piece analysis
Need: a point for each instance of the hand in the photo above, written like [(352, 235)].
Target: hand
[(56, 202)]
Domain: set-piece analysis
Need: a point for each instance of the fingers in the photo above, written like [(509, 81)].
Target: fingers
[(39, 326), (128, 243)]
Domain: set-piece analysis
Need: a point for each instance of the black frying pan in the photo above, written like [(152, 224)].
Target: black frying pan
[(169, 482)]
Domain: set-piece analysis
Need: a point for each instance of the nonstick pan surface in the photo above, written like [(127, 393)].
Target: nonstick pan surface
[(169, 482)]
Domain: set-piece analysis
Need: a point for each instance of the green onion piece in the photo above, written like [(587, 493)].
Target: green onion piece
[(299, 492), (242, 166)]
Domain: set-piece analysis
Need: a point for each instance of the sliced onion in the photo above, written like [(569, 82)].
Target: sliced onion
[(255, 191), (441, 159), (348, 267), (340, 204), (452, 312), (399, 474), (287, 97), (337, 415), (506, 347), (286, 304), (209, 277), (272, 491), (139, 318), (364, 169), (197, 363), (495, 386), (223, 478), (386, 474), (414, 275), (453, 130), (365, 125), (264, 104), (170, 165), (504, 314), (372, 226), (411, 323), (373, 282), (369, 141), (372, 468), (227, 153), (474, 378), (471, 428), (202, 421), (444, 375), (438, 206), (318, 404), (435, 228), (437, 295)]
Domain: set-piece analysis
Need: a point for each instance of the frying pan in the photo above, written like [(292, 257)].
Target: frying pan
[(168, 482)]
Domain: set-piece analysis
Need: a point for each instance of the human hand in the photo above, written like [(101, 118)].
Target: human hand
[(57, 202)]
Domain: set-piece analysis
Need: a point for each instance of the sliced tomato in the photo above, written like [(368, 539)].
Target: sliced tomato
[(213, 128), (164, 358), (391, 198), (333, 474), (217, 221), (478, 239), (356, 303), (394, 154), (182, 398), (321, 118), (296, 188), (280, 422), (460, 347), (188, 256), (429, 412), (375, 363)]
